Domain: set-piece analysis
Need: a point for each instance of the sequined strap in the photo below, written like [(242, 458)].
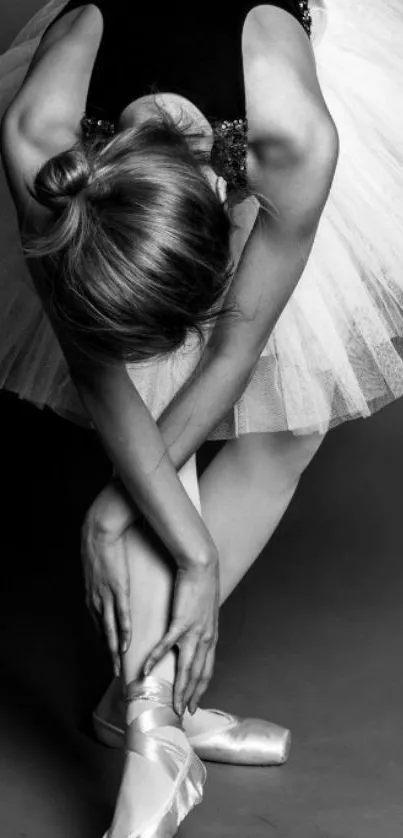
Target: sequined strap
[(229, 152)]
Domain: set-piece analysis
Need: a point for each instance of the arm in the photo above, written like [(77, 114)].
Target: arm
[(44, 117), (42, 121), (292, 156), (291, 162), (136, 448)]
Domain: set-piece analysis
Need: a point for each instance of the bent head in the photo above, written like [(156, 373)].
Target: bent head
[(137, 248)]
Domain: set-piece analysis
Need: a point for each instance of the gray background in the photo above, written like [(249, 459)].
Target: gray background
[(312, 638), (13, 15)]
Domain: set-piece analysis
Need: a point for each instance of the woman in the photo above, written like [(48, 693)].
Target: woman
[(289, 161)]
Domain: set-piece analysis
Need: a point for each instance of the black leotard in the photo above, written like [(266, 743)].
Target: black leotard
[(177, 47)]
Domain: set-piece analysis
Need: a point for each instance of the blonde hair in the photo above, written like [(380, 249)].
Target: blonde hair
[(136, 253)]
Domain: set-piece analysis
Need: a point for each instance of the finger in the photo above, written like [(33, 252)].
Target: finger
[(96, 619), (170, 640), (204, 679), (124, 619), (111, 632), (93, 600), (187, 653), (196, 671), (94, 605)]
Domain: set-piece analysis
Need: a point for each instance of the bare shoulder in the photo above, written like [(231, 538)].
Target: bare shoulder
[(267, 25), (281, 83), (44, 116), (274, 42)]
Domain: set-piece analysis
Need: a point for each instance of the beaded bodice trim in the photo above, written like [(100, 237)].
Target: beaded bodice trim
[(229, 152), (230, 136), (306, 17)]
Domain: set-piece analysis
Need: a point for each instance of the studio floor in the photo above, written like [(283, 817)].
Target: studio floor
[(312, 639)]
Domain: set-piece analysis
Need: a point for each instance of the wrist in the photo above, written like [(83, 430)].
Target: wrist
[(203, 559)]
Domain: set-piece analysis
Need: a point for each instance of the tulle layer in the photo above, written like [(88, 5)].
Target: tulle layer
[(336, 352)]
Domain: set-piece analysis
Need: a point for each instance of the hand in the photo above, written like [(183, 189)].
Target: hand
[(107, 583), (194, 629)]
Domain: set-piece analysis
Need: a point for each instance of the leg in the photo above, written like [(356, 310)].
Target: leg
[(162, 777), (260, 472), (151, 579)]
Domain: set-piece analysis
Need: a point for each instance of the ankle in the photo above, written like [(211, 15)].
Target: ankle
[(163, 671), (146, 693)]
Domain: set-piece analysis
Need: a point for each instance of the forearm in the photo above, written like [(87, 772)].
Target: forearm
[(204, 401), (225, 370), (146, 471)]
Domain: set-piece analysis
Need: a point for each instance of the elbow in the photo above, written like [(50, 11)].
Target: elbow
[(7, 137), (19, 122), (286, 137), (298, 160), (318, 155), (320, 149), (314, 135)]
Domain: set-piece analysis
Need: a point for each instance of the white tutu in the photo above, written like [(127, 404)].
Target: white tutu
[(335, 353)]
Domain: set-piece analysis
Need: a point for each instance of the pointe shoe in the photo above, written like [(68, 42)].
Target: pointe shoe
[(239, 741), (243, 742), (172, 756)]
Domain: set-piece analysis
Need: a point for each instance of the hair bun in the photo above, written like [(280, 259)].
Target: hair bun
[(62, 178)]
